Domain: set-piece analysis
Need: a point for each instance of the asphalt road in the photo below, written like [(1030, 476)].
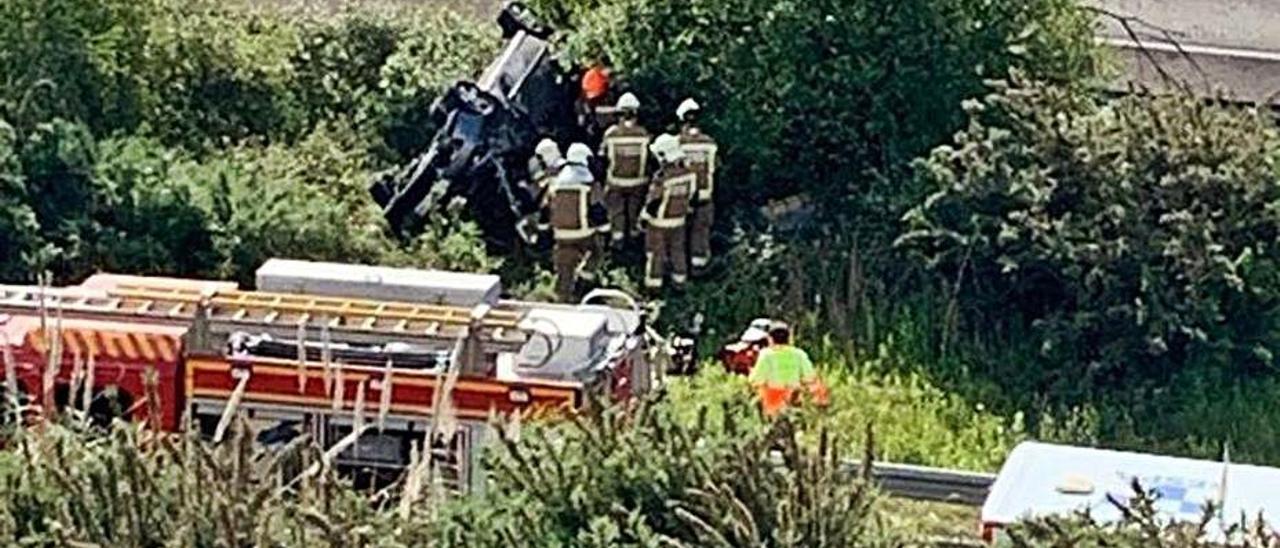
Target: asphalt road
[(1212, 47)]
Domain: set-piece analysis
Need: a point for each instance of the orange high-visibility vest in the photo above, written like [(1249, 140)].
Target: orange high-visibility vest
[(779, 371)]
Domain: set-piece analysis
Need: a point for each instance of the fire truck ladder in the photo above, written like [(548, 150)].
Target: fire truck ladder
[(356, 320)]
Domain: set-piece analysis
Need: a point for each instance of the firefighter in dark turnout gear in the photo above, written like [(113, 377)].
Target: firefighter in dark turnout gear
[(626, 147), (700, 157), (573, 213), (667, 205)]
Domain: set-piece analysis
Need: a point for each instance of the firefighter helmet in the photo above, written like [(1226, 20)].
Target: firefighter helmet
[(548, 151), (687, 106), (667, 148), (578, 154), (628, 101)]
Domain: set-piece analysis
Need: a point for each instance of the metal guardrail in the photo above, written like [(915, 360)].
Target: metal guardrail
[(931, 484)]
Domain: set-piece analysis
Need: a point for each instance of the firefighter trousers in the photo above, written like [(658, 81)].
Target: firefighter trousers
[(700, 235), (569, 257), (665, 248), (624, 203)]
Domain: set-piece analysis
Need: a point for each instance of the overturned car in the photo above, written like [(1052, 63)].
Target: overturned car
[(488, 130)]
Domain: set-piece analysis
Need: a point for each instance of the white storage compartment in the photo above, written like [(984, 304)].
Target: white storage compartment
[(378, 283)]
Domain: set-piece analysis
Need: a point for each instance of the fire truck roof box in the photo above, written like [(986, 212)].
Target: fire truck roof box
[(378, 283)]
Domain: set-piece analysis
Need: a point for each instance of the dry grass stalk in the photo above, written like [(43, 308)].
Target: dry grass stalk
[(339, 387), (442, 410), (357, 417), (384, 397), (86, 397), (233, 405), (302, 357), (326, 358), (10, 368), (53, 365)]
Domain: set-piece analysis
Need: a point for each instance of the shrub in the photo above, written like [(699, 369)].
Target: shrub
[(1133, 237), (612, 477), (20, 239), (57, 165), (640, 477), (151, 224), (816, 95)]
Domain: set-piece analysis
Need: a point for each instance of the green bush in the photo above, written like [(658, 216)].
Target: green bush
[(162, 137), (1132, 237), (641, 476), (150, 223), (817, 95), (632, 477), (20, 241)]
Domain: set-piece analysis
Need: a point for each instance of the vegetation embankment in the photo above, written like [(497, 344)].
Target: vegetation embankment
[(987, 230)]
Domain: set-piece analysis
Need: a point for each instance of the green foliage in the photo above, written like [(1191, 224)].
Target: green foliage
[(436, 50), (1132, 237), (915, 421), (151, 224), (19, 229), (57, 163), (73, 59), (161, 137), (619, 476), (641, 476), (817, 95)]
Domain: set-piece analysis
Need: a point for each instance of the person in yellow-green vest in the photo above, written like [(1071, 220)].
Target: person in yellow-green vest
[(781, 369)]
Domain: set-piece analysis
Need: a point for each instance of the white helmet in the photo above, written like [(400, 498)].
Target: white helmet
[(687, 106), (667, 148), (578, 154), (548, 151), (628, 101)]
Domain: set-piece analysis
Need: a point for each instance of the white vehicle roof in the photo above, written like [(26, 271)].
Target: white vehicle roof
[(1042, 479)]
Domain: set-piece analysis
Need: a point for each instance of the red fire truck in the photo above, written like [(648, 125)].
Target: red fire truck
[(316, 347)]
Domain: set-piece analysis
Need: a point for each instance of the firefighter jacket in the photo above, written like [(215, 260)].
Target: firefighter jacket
[(626, 146), (670, 196), (541, 176), (572, 204), (700, 155)]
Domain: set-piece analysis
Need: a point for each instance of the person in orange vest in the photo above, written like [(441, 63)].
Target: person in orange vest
[(781, 370), (595, 93)]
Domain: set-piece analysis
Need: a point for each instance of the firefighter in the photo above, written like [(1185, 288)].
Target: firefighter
[(700, 153), (544, 166), (781, 370), (626, 147), (666, 207), (595, 92), (571, 216)]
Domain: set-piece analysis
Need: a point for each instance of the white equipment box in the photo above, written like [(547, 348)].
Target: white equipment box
[(378, 283)]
